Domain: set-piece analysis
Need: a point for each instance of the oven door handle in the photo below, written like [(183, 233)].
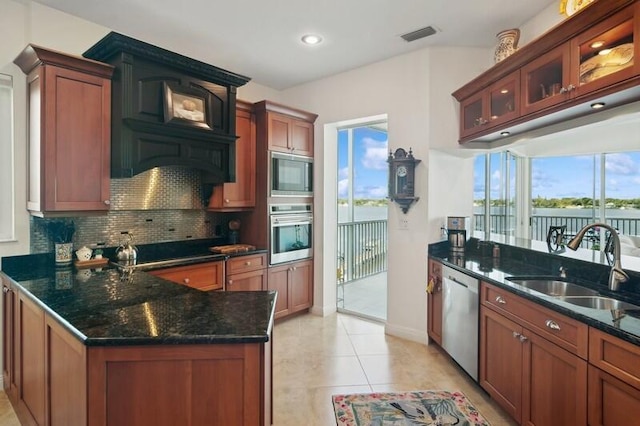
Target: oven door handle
[(288, 220)]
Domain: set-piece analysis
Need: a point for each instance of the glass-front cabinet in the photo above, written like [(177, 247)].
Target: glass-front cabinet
[(491, 107), (595, 59), (606, 53)]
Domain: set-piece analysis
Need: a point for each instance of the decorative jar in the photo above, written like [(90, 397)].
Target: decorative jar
[(507, 44)]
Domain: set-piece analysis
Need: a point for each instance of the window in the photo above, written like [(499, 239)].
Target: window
[(6, 159)]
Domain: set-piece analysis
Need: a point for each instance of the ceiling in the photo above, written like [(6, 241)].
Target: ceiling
[(261, 38)]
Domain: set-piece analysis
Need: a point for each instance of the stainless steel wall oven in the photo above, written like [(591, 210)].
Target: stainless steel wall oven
[(291, 232)]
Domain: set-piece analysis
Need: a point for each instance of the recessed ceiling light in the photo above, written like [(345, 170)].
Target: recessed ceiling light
[(311, 39), (504, 91), (604, 52), (597, 44), (598, 105), (505, 133)]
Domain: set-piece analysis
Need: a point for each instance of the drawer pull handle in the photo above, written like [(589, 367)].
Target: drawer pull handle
[(523, 338), (5, 289), (501, 300), (230, 282), (247, 263), (516, 335), (186, 280), (552, 325)]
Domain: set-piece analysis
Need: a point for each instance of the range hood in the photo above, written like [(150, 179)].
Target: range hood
[(168, 110)]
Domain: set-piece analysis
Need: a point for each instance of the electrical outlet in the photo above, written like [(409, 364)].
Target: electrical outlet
[(404, 223)]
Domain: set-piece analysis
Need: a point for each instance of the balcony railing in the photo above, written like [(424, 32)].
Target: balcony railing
[(540, 226), (362, 249)]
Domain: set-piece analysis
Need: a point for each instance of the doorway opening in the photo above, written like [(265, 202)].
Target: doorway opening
[(361, 245)]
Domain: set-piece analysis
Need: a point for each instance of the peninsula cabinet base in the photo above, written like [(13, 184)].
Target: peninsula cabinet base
[(221, 384)]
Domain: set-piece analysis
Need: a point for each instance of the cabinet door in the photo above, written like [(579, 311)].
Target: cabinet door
[(546, 81), (302, 137), (279, 281), (7, 336), (241, 194), (32, 359), (555, 384), (501, 355), (472, 115), (504, 100), (279, 132), (248, 281), (611, 401), (434, 303), (75, 140), (300, 285), (607, 53)]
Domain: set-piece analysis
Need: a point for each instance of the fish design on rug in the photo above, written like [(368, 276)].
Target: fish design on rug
[(432, 412)]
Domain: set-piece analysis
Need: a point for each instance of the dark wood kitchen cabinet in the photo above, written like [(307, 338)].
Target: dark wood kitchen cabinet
[(241, 194), (247, 273), (434, 302), (614, 379), (588, 58), (286, 129), (294, 284), (69, 131), (9, 342), (202, 276), (532, 360)]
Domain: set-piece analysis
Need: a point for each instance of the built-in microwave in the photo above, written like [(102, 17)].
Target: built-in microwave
[(291, 232), (291, 175)]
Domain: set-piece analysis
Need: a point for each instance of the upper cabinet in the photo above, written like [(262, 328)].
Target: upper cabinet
[(241, 194), (288, 129), (69, 132), (589, 58)]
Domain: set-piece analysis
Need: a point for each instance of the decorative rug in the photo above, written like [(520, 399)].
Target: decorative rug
[(439, 408)]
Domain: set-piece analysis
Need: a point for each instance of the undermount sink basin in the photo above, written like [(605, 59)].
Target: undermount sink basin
[(553, 287), (600, 302)]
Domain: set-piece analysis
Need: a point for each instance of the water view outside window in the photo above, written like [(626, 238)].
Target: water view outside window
[(495, 190), (570, 191)]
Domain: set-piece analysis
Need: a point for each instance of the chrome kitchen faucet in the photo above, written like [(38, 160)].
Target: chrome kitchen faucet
[(616, 275)]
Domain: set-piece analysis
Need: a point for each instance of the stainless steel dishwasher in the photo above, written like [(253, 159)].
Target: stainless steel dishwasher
[(460, 300)]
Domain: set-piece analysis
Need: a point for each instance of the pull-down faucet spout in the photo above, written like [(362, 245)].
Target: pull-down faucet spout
[(616, 275)]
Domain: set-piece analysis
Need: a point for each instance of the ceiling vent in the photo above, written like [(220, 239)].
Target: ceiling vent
[(418, 34)]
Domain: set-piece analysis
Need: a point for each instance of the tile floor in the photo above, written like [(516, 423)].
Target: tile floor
[(316, 357), (366, 296)]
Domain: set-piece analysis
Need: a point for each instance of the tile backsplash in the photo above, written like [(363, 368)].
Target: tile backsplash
[(162, 204)]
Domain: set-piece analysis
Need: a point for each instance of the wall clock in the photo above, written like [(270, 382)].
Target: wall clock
[(402, 178)]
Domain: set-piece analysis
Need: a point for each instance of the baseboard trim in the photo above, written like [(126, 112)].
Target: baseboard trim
[(406, 333), (323, 311)]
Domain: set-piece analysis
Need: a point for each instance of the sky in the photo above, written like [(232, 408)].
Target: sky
[(573, 176), (370, 163)]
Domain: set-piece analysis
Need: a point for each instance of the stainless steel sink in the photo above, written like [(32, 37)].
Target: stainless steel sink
[(553, 287), (600, 302)]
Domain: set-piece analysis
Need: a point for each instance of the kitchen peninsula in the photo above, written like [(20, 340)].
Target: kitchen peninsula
[(112, 347)]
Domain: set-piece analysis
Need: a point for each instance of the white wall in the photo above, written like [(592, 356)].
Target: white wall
[(414, 90)]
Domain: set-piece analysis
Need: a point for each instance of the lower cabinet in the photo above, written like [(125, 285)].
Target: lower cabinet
[(202, 276), (535, 380), (434, 302), (614, 380), (294, 284), (247, 273)]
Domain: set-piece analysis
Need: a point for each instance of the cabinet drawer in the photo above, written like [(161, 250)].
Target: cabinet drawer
[(565, 332), (203, 276), (250, 262), (615, 356)]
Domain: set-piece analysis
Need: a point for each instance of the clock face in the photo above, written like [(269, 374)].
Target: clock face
[(402, 171)]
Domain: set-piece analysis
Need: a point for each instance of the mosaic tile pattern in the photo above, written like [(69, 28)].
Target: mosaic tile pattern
[(162, 204)]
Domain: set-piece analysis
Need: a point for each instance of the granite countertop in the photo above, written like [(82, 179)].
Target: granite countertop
[(110, 307), (496, 271)]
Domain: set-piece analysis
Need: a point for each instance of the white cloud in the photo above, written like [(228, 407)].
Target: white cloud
[(621, 164), (496, 175), (343, 186), (375, 154), (343, 173)]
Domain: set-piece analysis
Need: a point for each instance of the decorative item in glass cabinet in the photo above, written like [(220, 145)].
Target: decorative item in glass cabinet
[(507, 44), (569, 7)]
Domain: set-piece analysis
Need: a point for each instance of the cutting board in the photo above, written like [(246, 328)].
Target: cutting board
[(232, 248)]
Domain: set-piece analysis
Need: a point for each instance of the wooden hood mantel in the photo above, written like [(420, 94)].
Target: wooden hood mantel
[(168, 109)]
